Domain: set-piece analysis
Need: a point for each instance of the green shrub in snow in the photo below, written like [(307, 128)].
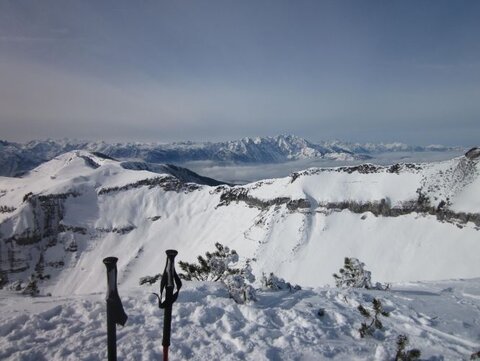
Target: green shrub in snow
[(150, 280), (354, 275), (215, 266), (274, 283), (219, 266), (31, 288), (372, 316), (405, 355)]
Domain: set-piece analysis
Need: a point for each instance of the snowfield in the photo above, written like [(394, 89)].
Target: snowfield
[(441, 319), (405, 222), (413, 225)]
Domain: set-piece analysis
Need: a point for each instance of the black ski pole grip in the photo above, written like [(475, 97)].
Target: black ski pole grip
[(170, 267), (111, 264), (115, 312)]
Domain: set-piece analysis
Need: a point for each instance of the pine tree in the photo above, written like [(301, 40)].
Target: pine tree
[(275, 283), (353, 274), (149, 279), (372, 316), (31, 288), (213, 267), (218, 267), (402, 355)]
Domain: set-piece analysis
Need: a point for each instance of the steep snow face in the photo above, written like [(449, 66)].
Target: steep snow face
[(64, 217)]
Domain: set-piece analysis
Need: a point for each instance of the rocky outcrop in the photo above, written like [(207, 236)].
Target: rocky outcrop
[(47, 213), (183, 174), (229, 195), (366, 168), (7, 209), (420, 206), (169, 184), (473, 154), (74, 229), (118, 230), (382, 207), (24, 251), (90, 162)]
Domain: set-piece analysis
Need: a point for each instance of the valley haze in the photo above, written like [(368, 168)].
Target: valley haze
[(236, 161)]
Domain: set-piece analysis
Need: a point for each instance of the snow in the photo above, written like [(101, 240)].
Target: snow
[(304, 246), (394, 249), (467, 199), (441, 319), (332, 186)]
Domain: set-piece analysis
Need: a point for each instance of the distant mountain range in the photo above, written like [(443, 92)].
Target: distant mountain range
[(18, 158)]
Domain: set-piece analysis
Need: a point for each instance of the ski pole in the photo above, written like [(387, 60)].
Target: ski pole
[(115, 312), (169, 281)]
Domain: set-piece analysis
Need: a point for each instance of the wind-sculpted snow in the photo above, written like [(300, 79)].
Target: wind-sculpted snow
[(440, 319)]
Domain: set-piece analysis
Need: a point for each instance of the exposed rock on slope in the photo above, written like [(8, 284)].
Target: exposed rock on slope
[(473, 153)]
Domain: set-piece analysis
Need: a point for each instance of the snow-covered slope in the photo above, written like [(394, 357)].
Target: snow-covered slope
[(441, 320), (17, 158), (406, 222)]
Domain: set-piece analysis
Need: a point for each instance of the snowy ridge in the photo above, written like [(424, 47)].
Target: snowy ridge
[(65, 215), (18, 158)]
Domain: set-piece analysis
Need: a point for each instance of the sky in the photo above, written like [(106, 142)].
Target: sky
[(363, 71)]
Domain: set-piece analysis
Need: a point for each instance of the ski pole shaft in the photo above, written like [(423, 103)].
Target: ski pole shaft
[(167, 319), (111, 264), (111, 335), (165, 353)]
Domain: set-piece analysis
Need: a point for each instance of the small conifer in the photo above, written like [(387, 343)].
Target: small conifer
[(402, 355), (213, 267), (353, 274), (372, 316), (218, 266)]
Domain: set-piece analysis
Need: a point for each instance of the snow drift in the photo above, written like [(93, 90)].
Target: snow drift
[(440, 319)]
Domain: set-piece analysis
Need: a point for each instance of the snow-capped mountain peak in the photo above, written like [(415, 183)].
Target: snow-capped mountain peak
[(17, 158)]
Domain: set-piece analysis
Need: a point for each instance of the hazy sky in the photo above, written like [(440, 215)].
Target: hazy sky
[(217, 70)]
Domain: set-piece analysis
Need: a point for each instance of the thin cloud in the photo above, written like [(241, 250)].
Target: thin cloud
[(211, 70)]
